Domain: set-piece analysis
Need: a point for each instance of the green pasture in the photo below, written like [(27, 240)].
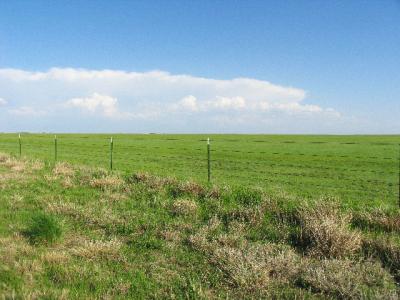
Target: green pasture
[(363, 171)]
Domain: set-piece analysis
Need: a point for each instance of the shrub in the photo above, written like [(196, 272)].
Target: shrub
[(325, 230), (43, 229)]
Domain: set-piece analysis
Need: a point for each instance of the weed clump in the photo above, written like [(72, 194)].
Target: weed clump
[(110, 182), (324, 231), (346, 279), (37, 165), (109, 250), (252, 268), (189, 188), (248, 215), (43, 229), (63, 169), (249, 267), (151, 181), (184, 207), (3, 157), (13, 163), (214, 192), (377, 220), (385, 250)]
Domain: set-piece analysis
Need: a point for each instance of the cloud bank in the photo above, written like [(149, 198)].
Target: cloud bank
[(107, 100)]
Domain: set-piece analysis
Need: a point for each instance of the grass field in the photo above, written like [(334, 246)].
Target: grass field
[(78, 232), (363, 171)]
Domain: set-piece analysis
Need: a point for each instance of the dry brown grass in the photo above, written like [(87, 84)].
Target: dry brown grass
[(171, 235), (253, 267), (96, 249), (3, 157), (109, 182), (17, 255), (141, 177), (67, 182), (346, 279), (13, 246), (325, 230), (6, 177), (95, 217), (110, 197), (250, 267), (152, 181), (63, 169), (68, 209), (215, 192), (50, 178), (20, 165), (29, 294), (387, 250), (10, 178), (16, 201), (14, 164), (192, 188), (378, 220), (85, 174), (56, 256), (249, 215), (37, 165), (177, 188), (184, 207)]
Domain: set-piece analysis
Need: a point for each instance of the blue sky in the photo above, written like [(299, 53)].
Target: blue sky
[(200, 66)]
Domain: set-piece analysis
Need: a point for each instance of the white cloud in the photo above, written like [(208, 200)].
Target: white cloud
[(107, 106), (189, 103), (27, 111), (226, 104), (165, 100), (2, 102), (104, 104)]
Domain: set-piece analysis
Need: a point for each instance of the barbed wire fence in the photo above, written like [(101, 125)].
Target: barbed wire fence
[(266, 168)]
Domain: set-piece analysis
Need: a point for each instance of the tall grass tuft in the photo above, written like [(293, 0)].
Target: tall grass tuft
[(325, 231), (43, 229), (247, 196)]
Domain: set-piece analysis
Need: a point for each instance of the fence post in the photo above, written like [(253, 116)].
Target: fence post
[(55, 148), (208, 160), (111, 153), (20, 145)]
